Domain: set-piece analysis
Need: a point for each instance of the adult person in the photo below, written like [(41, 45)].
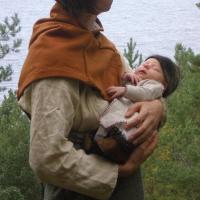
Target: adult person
[(62, 86)]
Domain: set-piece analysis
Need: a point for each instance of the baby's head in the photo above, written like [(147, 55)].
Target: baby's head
[(162, 69)]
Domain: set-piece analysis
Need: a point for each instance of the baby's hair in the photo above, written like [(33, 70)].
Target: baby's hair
[(171, 73), (75, 7)]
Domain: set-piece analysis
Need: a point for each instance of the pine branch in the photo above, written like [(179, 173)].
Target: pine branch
[(133, 56), (198, 5), (186, 57), (5, 74), (8, 30), (8, 43)]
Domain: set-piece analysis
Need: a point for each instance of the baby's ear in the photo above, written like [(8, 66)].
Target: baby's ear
[(165, 85)]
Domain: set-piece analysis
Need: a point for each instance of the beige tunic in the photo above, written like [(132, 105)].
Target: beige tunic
[(56, 106)]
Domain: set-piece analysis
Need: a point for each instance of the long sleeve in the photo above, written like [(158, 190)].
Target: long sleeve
[(145, 90), (55, 110)]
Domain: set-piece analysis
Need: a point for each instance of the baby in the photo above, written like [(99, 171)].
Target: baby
[(157, 77)]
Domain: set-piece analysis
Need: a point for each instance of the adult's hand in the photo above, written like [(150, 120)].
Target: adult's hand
[(138, 156), (150, 114)]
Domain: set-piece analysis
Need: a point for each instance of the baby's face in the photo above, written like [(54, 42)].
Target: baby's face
[(151, 69)]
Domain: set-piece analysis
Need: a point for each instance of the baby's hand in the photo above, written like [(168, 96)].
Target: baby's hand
[(131, 77), (114, 91)]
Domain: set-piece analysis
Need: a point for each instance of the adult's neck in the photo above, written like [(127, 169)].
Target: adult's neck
[(88, 21)]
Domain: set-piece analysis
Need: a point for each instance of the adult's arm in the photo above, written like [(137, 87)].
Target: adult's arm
[(53, 158), (139, 155)]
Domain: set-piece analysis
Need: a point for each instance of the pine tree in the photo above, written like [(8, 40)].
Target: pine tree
[(17, 181), (133, 56), (174, 169), (9, 28)]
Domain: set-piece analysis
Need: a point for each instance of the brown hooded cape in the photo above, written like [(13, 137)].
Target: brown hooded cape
[(60, 47)]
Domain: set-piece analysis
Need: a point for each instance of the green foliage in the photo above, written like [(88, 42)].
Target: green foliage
[(11, 193), (196, 60), (186, 57), (16, 178), (8, 31), (173, 172), (198, 5), (134, 57)]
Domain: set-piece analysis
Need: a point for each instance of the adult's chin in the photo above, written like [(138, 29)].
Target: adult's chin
[(101, 6)]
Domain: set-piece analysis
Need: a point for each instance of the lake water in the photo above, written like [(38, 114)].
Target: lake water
[(155, 25)]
